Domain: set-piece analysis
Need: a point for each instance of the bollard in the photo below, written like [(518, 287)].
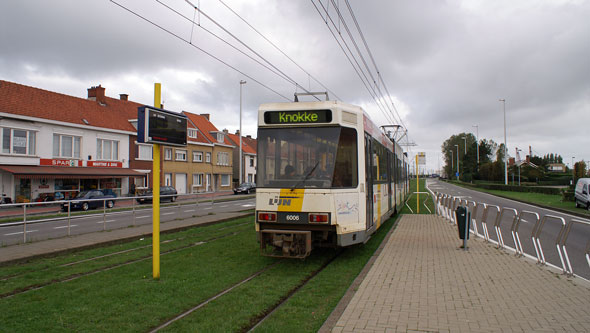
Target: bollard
[(463, 218)]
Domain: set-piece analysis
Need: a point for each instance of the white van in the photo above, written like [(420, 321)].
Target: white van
[(583, 193)]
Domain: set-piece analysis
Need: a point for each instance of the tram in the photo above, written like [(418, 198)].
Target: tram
[(327, 176)]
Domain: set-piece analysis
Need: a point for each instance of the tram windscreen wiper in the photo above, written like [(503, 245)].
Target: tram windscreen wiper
[(302, 181)]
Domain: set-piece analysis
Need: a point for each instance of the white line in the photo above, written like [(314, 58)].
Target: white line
[(224, 206), (107, 221), (65, 226), (248, 205), (142, 217), (190, 210), (168, 213), (20, 232), (208, 208)]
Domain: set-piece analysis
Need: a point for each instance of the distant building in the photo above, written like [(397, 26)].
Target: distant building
[(556, 167), (248, 157)]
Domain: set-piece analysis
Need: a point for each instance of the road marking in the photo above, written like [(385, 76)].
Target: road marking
[(168, 213), (107, 221), (190, 210), (142, 217), (224, 206), (20, 233), (208, 208), (65, 226), (248, 205)]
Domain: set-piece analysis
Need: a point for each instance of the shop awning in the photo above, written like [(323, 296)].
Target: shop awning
[(37, 172)]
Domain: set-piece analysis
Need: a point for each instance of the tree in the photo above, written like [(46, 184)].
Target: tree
[(467, 161), (579, 171)]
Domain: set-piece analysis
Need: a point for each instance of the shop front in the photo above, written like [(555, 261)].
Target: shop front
[(49, 183)]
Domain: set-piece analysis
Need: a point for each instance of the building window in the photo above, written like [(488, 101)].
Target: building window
[(168, 154), (145, 152), (222, 158), (66, 146), (220, 137), (198, 179), (208, 157), (107, 149), (197, 156), (249, 178), (251, 161), (225, 180), (167, 179), (180, 155), (17, 141), (192, 133)]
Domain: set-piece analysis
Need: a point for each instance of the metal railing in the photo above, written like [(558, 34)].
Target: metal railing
[(59, 208), (445, 206)]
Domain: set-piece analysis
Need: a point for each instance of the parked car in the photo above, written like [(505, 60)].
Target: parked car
[(583, 193), (167, 193), (245, 188), (89, 199)]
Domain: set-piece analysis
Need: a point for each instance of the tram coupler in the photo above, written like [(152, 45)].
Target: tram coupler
[(285, 244)]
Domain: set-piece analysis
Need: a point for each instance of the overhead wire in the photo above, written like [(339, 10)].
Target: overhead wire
[(358, 69), (283, 75), (278, 49), (199, 48)]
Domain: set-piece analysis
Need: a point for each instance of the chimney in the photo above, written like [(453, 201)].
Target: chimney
[(238, 132), (249, 136), (97, 94), (206, 115), (225, 131), (124, 97)]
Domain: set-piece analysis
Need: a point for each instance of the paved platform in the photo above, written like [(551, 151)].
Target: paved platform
[(422, 282), (59, 245)]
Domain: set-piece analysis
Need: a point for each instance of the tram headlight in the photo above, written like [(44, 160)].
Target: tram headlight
[(267, 217), (318, 218)]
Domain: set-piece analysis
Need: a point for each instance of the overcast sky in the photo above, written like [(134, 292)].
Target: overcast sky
[(446, 64)]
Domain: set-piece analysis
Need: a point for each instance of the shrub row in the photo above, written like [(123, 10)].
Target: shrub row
[(513, 188)]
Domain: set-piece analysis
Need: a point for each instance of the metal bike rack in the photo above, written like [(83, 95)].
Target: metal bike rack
[(484, 222), (537, 241), (499, 221), (514, 231), (563, 242)]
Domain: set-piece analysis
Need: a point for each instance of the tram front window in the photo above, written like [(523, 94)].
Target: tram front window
[(310, 157)]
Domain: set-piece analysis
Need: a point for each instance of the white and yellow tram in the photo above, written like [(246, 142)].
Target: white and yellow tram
[(326, 176)]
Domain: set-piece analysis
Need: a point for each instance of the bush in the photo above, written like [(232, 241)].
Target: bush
[(514, 188)]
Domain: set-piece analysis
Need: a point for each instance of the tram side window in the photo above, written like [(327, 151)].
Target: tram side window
[(345, 170), (379, 162)]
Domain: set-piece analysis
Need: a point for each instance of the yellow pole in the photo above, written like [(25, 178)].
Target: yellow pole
[(156, 194), (417, 187)]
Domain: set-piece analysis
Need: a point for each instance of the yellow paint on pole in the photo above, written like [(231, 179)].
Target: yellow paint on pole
[(417, 187), (156, 194)]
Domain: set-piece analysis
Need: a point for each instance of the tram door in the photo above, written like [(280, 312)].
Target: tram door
[(369, 180)]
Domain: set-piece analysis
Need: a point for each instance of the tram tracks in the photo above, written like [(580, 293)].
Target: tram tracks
[(74, 276)]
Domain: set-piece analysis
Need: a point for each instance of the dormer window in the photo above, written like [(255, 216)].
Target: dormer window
[(220, 137), (192, 133)]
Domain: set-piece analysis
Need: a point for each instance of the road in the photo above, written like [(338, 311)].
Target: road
[(576, 243), (12, 233)]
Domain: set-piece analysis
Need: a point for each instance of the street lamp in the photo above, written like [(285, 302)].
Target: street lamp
[(452, 164), (457, 161), (477, 142), (465, 142), (505, 149), (242, 82)]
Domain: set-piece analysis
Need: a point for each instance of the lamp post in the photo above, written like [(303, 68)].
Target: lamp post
[(465, 142), (477, 142), (457, 161), (452, 164), (519, 164), (242, 82), (505, 148)]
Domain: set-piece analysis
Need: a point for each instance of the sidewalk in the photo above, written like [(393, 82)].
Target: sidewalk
[(422, 281), (64, 244)]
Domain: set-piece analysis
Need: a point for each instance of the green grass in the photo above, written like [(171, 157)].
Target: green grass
[(547, 200), (126, 298), (413, 198)]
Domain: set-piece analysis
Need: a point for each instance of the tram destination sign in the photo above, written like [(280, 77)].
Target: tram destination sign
[(298, 117), (161, 126)]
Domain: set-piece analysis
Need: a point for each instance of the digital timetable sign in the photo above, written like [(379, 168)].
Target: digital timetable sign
[(161, 126), (298, 117)]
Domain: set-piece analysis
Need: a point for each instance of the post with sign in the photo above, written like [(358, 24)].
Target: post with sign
[(420, 160), (158, 126)]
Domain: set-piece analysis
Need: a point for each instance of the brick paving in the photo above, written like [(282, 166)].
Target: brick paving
[(422, 282)]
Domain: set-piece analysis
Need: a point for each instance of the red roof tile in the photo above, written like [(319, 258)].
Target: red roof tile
[(28, 101), (205, 127), (246, 145)]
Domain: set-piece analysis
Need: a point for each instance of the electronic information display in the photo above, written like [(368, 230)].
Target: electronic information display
[(161, 126)]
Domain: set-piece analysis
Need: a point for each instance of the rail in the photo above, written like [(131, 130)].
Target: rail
[(63, 209), (500, 217)]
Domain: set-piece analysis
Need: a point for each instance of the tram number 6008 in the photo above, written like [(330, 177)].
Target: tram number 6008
[(292, 217)]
